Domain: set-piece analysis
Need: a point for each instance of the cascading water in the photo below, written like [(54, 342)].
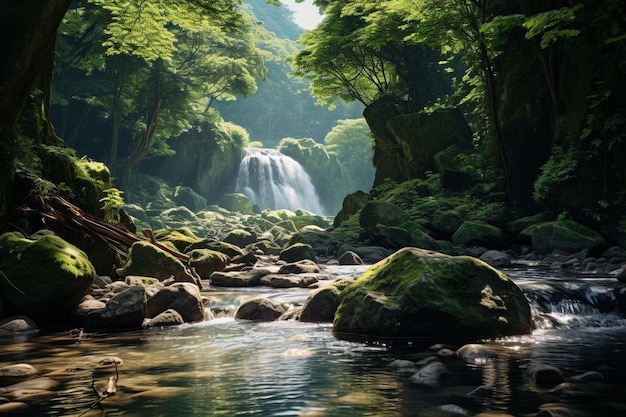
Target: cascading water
[(273, 180)]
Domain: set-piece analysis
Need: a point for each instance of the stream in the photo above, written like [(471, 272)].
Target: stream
[(224, 367)]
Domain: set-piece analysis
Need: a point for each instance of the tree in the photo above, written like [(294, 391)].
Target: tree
[(153, 83)]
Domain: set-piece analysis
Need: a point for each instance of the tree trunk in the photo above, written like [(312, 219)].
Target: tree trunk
[(28, 33)]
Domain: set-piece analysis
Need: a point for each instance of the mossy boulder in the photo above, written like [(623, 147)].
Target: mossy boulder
[(43, 276), (422, 135), (321, 305), (565, 235), (241, 237), (352, 203), (320, 240), (416, 294), (297, 252), (179, 238), (382, 212), (237, 202), (146, 259), (186, 196), (477, 233), (206, 261)]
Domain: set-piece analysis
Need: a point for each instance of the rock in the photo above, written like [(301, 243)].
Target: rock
[(17, 325), (381, 212), (352, 203), (248, 259), (297, 252), (13, 407), (564, 235), (392, 237), (422, 240), (89, 304), (145, 259), (416, 293), (137, 281), (482, 391), (249, 278), (260, 309), (350, 258), (475, 353), (42, 277), (291, 280), (368, 254), (241, 237), (179, 238), (268, 247), (321, 305), (543, 376), (237, 202), (169, 317), (11, 374), (319, 239), (496, 258), (431, 374), (216, 245), (207, 261), (125, 310), (476, 233), (183, 297), (305, 266)]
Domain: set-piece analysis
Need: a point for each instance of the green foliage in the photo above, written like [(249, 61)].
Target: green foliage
[(112, 204), (560, 168), (551, 25)]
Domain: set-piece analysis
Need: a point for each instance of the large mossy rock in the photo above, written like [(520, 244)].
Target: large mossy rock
[(382, 212), (564, 235), (43, 276), (352, 203), (422, 135), (477, 233), (416, 294), (148, 260)]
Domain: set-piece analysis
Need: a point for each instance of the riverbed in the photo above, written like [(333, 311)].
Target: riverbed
[(224, 367)]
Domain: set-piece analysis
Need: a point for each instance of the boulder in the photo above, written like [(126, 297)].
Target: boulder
[(319, 239), (422, 294), (543, 375), (297, 252), (125, 310), (475, 353), (422, 240), (260, 309), (43, 276), (321, 305), (477, 233), (183, 297), (207, 261), (226, 248), (565, 235), (241, 237), (179, 238), (169, 317), (349, 258), (305, 266), (431, 374), (291, 280), (368, 254), (496, 258), (146, 259), (381, 212), (249, 278), (237, 202), (87, 305), (352, 203), (16, 325), (392, 237)]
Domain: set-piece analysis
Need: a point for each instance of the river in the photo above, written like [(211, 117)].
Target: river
[(224, 367)]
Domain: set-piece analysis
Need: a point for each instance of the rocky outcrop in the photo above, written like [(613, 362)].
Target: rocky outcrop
[(416, 293), (564, 235), (43, 275), (146, 259)]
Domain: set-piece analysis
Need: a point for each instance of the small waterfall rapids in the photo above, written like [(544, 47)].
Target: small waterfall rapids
[(273, 180)]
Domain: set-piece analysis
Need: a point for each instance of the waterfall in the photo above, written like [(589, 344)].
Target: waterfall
[(273, 180)]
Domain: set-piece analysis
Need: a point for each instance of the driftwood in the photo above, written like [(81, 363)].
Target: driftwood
[(66, 215)]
